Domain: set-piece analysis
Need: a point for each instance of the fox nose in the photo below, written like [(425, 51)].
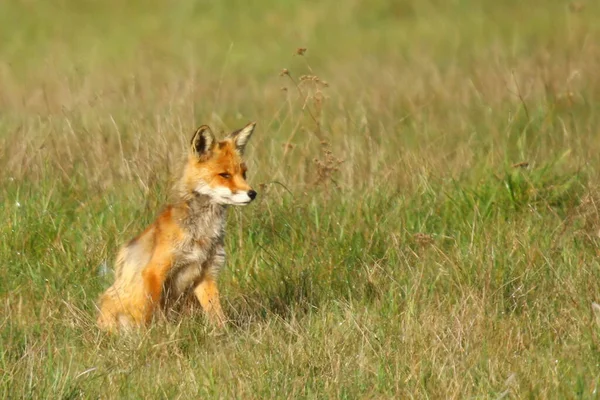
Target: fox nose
[(252, 194)]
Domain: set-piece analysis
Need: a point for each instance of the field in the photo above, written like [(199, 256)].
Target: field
[(428, 218)]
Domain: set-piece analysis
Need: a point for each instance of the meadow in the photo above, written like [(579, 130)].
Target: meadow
[(428, 217)]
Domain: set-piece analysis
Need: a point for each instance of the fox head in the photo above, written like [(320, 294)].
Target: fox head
[(216, 169)]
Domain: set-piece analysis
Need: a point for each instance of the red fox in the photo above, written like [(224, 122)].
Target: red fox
[(180, 254)]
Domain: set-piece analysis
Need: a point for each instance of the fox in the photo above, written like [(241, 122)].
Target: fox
[(179, 256)]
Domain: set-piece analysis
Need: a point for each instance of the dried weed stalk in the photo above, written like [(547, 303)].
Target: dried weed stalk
[(310, 88)]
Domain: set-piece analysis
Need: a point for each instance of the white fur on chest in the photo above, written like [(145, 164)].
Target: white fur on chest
[(202, 253), (195, 261), (195, 255)]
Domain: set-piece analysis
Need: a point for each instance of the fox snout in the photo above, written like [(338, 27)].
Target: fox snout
[(242, 198)]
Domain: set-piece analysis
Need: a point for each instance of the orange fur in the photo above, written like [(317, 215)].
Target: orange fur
[(181, 253)]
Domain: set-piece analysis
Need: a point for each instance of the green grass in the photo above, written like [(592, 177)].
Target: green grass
[(396, 249)]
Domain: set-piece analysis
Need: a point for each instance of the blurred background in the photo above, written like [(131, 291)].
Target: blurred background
[(439, 77)]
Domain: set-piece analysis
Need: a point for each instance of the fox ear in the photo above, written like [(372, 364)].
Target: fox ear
[(203, 141), (241, 137)]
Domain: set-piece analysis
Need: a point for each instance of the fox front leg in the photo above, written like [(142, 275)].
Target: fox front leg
[(207, 294)]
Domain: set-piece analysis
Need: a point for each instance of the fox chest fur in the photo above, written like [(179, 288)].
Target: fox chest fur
[(199, 251)]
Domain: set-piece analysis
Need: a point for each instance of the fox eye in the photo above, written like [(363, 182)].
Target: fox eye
[(244, 174), (225, 175)]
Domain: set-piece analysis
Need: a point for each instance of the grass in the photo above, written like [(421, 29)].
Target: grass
[(428, 220)]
